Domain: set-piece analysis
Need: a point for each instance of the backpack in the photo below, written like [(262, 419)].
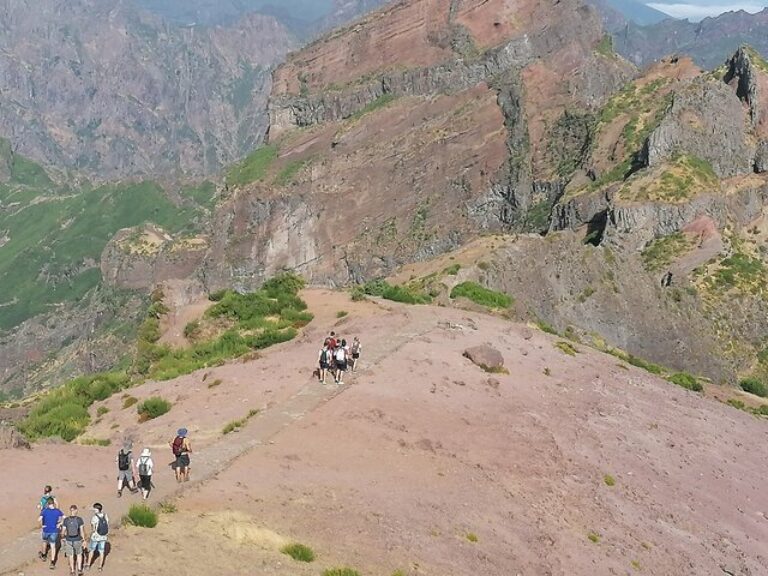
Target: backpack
[(177, 445), (103, 528), (324, 356), (72, 526), (144, 466), (123, 460), (341, 355)]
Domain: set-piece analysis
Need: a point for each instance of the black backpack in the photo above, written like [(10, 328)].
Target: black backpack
[(123, 460), (103, 528)]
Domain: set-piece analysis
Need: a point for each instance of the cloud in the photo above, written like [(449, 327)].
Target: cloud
[(696, 12)]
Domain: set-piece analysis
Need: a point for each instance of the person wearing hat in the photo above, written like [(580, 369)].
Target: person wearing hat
[(145, 466), (99, 532), (181, 450)]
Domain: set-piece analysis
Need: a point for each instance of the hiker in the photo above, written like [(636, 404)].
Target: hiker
[(125, 470), (50, 522), (145, 466), (73, 535), (99, 532), (181, 449), (356, 349), (332, 342), (340, 357), (325, 361), (47, 494)]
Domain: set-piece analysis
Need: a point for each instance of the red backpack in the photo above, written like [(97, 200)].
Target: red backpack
[(178, 442)]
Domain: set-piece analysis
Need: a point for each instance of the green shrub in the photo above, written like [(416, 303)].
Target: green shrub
[(737, 404), (481, 295), (754, 386), (609, 480), (547, 328), (63, 412), (299, 552), (594, 537), (687, 381), (357, 294), (341, 313), (406, 295), (153, 407), (341, 572), (452, 270), (101, 410), (129, 401), (763, 410), (644, 364), (192, 330), (253, 168), (472, 537), (141, 515)]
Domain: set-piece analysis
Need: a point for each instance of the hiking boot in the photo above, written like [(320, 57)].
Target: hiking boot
[(119, 493), (41, 556)]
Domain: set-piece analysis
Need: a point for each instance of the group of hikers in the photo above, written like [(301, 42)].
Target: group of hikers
[(69, 533), (336, 357)]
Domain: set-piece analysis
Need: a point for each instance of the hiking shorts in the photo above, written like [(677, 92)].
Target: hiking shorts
[(124, 477), (323, 365), (51, 537), (355, 355), (341, 366), (100, 544), (72, 547), (182, 461), (145, 482)]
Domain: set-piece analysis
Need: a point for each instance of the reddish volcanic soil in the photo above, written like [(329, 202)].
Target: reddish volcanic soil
[(425, 464)]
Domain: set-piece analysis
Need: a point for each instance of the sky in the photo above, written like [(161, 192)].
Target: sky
[(699, 9)]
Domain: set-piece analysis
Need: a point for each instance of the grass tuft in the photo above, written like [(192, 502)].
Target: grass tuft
[(168, 508), (153, 407), (594, 537), (609, 480), (141, 515), (687, 381), (341, 572), (299, 552), (341, 313), (566, 348), (472, 537), (754, 386)]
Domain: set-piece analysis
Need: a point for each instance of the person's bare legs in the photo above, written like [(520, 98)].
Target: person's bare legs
[(72, 560)]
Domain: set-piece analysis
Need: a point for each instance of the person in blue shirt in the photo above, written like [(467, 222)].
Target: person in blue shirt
[(50, 521)]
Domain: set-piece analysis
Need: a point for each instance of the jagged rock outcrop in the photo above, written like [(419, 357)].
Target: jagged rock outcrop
[(142, 258), (706, 119)]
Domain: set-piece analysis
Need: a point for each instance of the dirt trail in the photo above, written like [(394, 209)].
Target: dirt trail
[(566, 466)]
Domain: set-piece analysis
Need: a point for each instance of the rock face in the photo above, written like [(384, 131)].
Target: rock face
[(112, 91), (423, 125), (485, 356)]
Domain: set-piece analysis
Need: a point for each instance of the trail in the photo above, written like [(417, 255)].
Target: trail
[(20, 553)]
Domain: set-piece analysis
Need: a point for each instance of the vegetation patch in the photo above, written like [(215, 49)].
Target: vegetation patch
[(687, 381), (141, 515), (129, 401), (605, 46), (63, 412), (289, 172), (254, 321), (168, 507), (380, 102), (407, 294), (152, 408), (452, 270), (644, 364), (236, 425), (472, 537), (566, 348), (660, 253), (254, 167), (95, 441), (754, 386), (481, 295), (341, 313), (299, 552), (547, 328), (609, 480), (341, 572), (682, 178), (594, 537)]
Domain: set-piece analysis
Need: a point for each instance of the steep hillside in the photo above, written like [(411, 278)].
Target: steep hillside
[(103, 88), (408, 134), (709, 42), (568, 462), (51, 258)]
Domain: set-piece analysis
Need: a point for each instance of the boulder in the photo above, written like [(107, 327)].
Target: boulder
[(485, 356), (11, 438)]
